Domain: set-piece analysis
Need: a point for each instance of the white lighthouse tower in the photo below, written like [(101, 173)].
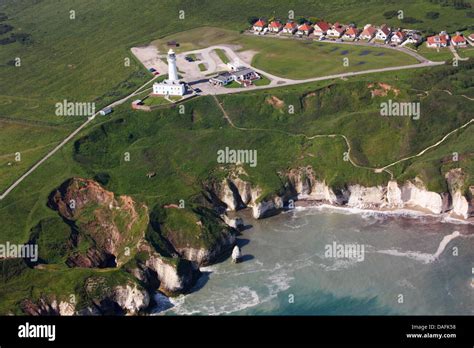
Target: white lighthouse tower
[(172, 70), (172, 85)]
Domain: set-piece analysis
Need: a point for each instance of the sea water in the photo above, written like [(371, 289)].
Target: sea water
[(410, 265)]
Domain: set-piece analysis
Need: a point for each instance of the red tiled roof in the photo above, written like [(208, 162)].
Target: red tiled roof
[(290, 25), (275, 24), (304, 27), (400, 34), (370, 31), (352, 31), (260, 23), (437, 39), (384, 29), (458, 39), (321, 26)]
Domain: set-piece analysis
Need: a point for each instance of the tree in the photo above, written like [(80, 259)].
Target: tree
[(252, 20)]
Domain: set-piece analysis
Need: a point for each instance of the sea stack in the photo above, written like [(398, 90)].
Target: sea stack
[(236, 255)]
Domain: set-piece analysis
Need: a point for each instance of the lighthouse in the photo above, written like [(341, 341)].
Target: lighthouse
[(172, 70), (172, 85)]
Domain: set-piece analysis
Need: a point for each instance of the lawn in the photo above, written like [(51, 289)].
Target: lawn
[(155, 101), (202, 67), (294, 58), (306, 59), (443, 54), (222, 56)]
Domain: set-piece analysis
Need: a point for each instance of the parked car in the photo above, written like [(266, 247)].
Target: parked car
[(156, 73), (152, 70), (189, 59)]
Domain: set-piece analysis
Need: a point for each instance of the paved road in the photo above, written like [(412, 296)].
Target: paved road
[(67, 139)]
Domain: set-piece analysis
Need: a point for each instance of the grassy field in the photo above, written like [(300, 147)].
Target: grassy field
[(222, 56), (86, 59), (83, 60), (301, 59), (441, 55), (153, 101), (293, 58)]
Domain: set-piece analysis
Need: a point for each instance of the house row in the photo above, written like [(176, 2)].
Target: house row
[(322, 29), (443, 40)]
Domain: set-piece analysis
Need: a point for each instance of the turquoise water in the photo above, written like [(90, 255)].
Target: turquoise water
[(287, 272)]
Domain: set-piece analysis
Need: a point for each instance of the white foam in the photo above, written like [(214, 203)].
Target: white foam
[(371, 213), (423, 257)]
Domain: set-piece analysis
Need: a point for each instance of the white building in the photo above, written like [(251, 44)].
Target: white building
[(172, 85)]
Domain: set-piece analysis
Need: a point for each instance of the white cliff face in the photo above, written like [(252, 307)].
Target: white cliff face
[(170, 281), (262, 209), (304, 185), (245, 190), (227, 196), (236, 223), (366, 197), (204, 256), (460, 205), (130, 298), (394, 195), (66, 308), (418, 197)]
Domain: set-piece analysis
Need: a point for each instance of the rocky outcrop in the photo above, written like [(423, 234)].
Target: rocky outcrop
[(366, 197), (417, 196), (171, 276), (205, 256), (46, 306), (130, 298), (463, 206), (114, 224), (302, 184), (236, 223), (127, 299)]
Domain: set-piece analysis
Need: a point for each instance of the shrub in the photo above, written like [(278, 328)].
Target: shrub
[(432, 15)]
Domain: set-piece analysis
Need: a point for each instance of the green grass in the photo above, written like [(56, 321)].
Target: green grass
[(301, 59), (202, 67), (441, 55), (82, 60), (263, 81), (222, 56), (155, 101)]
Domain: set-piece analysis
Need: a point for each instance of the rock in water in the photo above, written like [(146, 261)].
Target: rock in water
[(236, 255)]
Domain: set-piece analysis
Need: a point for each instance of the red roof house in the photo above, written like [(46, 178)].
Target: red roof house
[(305, 29), (437, 41), (458, 41), (351, 33), (290, 28), (259, 25), (368, 32), (275, 26), (321, 28)]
